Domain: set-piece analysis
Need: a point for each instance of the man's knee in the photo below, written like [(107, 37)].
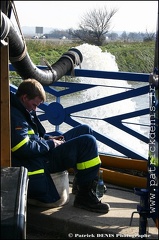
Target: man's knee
[(89, 138), (86, 129)]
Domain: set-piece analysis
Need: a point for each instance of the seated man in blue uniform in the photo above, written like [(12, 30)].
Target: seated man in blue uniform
[(43, 155)]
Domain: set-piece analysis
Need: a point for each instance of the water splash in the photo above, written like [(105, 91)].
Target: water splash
[(95, 59)]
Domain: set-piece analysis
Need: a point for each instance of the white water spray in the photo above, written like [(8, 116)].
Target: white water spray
[(95, 59)]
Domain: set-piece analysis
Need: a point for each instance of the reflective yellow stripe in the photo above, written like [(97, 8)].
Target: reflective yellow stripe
[(36, 172), (31, 132), (91, 163), (19, 145)]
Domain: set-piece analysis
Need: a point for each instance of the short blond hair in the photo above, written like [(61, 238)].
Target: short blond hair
[(32, 88)]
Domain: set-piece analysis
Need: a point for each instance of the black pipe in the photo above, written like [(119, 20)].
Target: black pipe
[(22, 63)]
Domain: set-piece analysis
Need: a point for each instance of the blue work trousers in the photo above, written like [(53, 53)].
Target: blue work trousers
[(80, 146)]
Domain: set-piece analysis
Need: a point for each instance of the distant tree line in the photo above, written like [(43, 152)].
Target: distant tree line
[(112, 36), (131, 36)]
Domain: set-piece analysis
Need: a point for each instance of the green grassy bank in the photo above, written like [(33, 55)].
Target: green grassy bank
[(130, 57)]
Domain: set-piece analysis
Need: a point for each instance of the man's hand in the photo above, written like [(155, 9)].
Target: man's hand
[(58, 140)]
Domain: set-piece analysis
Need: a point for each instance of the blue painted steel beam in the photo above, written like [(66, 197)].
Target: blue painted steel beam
[(139, 77)]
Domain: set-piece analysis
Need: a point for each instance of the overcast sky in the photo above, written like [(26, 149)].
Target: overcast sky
[(132, 16)]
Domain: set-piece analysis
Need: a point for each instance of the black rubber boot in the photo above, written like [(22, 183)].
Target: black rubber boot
[(74, 186), (86, 199)]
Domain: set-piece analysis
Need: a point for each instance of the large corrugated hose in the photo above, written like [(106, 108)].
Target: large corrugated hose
[(24, 66)]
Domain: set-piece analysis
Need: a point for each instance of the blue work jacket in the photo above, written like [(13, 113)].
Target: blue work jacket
[(30, 147)]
